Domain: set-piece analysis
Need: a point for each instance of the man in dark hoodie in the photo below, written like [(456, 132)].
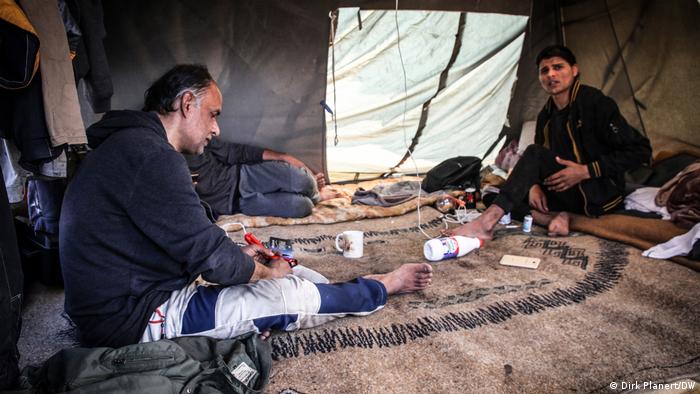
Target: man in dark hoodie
[(583, 147), (134, 237)]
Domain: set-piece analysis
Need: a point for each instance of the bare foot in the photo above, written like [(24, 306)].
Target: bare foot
[(474, 229), (320, 180), (559, 226), (406, 279), (328, 193), (481, 227)]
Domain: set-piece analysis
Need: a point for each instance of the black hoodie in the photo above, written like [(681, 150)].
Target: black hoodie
[(133, 230)]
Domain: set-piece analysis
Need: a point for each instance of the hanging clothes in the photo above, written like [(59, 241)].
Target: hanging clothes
[(61, 106), (90, 62)]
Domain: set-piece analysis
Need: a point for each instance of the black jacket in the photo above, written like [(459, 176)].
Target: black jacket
[(602, 140), (132, 230)]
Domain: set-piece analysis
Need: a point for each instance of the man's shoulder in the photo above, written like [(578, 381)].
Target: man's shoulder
[(590, 94)]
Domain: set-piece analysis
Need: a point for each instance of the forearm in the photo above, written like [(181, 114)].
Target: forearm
[(277, 268), (274, 155), (260, 272)]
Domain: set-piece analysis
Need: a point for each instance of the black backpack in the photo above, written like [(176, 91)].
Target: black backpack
[(459, 172)]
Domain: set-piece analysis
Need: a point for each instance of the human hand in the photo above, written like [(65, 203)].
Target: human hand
[(279, 268), (567, 178), (537, 199), (259, 253)]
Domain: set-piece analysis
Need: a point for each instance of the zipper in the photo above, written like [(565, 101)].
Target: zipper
[(132, 360)]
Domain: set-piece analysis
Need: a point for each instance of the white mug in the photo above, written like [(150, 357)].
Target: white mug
[(352, 246)]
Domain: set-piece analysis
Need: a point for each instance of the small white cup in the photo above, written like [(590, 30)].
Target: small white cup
[(352, 244)]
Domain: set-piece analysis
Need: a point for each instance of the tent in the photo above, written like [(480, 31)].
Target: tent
[(457, 78), (477, 83)]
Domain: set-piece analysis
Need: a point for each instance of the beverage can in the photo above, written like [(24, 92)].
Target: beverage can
[(505, 219), (470, 198), (527, 223)]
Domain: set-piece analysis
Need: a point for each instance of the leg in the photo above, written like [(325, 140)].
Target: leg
[(282, 204), (536, 164), (557, 222), (275, 176), (289, 304)]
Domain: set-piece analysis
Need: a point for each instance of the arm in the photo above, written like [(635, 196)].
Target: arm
[(165, 207), (233, 153), (630, 149), (274, 155)]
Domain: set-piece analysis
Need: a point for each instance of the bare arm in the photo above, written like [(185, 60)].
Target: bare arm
[(274, 155)]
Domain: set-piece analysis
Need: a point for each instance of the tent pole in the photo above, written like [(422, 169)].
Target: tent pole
[(559, 22), (624, 67)]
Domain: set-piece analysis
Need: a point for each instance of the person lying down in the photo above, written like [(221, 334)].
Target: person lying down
[(235, 178)]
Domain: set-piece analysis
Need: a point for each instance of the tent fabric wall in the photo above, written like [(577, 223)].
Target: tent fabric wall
[(659, 42), (463, 119), (269, 58)]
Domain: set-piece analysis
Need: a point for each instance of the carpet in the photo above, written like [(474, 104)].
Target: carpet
[(594, 313)]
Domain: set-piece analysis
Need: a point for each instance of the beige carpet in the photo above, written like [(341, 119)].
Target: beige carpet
[(594, 313)]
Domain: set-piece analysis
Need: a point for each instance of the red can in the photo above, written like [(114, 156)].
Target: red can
[(470, 198)]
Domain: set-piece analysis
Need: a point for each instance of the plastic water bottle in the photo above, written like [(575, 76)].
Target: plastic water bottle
[(450, 247)]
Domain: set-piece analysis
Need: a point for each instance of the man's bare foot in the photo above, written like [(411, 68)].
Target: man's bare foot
[(481, 227), (320, 180), (328, 193), (405, 279), (559, 226), (474, 229)]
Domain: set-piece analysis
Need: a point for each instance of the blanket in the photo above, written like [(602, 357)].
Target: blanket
[(595, 313), (641, 233), (338, 209)]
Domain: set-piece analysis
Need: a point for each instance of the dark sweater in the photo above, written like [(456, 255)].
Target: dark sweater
[(219, 170), (133, 230)]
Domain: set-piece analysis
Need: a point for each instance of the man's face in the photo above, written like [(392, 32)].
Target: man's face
[(556, 75), (202, 123)]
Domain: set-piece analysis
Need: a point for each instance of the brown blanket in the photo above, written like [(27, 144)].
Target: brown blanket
[(639, 232)]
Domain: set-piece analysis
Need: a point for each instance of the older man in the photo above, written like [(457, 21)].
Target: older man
[(583, 146), (134, 237)]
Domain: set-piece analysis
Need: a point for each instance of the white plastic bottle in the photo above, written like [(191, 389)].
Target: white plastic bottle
[(450, 247)]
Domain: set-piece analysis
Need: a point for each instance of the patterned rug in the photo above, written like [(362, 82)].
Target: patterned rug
[(593, 317)]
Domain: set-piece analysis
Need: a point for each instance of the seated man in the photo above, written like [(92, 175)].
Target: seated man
[(583, 146), (234, 178), (134, 237)]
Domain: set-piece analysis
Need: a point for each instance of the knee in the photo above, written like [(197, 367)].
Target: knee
[(300, 207), (534, 150)]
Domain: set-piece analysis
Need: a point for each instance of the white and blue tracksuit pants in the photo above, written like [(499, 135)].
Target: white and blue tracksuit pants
[(289, 304)]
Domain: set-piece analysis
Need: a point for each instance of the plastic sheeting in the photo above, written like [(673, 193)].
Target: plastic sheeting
[(378, 116)]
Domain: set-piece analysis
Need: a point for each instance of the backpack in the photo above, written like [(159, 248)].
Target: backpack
[(459, 172)]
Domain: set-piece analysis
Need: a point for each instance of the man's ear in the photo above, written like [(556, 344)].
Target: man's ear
[(187, 103), (574, 69)]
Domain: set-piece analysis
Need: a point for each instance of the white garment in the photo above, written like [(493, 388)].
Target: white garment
[(642, 200), (293, 300), (676, 246)]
